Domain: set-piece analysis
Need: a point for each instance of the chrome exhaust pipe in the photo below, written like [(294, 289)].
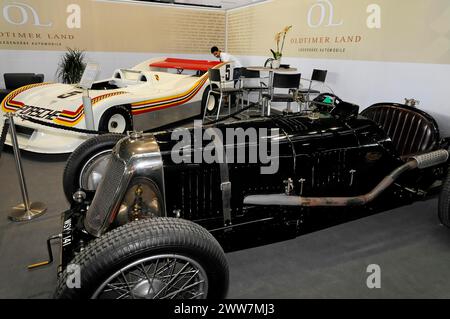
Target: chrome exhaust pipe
[(420, 161)]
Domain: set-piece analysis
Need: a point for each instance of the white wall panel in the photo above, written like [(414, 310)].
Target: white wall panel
[(365, 83)]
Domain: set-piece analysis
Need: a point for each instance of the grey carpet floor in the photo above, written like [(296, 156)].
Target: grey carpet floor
[(409, 244)]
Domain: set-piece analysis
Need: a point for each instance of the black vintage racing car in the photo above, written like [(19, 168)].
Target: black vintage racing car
[(152, 228)]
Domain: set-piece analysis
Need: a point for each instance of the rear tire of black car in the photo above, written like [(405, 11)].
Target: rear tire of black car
[(125, 261), (211, 106), (90, 153), (444, 202), (117, 119)]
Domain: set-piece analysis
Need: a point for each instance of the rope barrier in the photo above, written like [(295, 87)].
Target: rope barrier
[(3, 136), (6, 126), (84, 131), (58, 126)]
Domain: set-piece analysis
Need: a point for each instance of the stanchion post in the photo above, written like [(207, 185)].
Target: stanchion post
[(88, 113), (86, 81), (25, 211)]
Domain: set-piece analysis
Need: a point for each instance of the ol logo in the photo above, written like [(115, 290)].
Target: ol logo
[(24, 11), (19, 14), (325, 8), (322, 14)]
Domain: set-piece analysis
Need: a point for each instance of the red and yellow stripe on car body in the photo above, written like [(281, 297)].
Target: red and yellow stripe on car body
[(69, 118), (169, 101), (72, 118), (166, 102), (8, 103)]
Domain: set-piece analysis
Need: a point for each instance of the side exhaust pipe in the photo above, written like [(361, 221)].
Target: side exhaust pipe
[(420, 161)]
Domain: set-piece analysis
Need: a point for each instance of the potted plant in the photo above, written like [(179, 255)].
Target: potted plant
[(280, 37), (71, 67)]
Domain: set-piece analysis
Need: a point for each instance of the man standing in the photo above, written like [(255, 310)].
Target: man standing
[(228, 58)]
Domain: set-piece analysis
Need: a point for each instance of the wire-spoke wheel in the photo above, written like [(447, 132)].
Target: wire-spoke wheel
[(156, 258), (157, 277)]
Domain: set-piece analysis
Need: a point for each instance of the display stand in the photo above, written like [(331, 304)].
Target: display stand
[(27, 210), (88, 113)]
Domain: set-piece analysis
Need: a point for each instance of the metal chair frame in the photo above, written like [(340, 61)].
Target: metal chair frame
[(282, 81), (222, 91), (253, 75), (317, 76)]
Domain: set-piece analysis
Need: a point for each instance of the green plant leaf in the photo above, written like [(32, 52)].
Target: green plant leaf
[(71, 66), (276, 55)]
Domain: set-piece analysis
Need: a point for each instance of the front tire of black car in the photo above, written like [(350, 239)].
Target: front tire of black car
[(444, 202), (148, 259), (87, 159)]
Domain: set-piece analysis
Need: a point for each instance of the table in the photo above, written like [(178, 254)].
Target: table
[(267, 69)]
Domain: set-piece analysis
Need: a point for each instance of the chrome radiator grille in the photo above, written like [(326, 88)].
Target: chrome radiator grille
[(104, 198)]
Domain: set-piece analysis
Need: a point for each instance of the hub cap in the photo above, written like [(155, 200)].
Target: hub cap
[(211, 103), (117, 124)]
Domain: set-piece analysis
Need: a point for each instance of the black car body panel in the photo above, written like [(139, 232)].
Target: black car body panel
[(330, 155)]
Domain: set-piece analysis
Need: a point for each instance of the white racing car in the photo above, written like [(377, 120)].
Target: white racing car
[(152, 94)]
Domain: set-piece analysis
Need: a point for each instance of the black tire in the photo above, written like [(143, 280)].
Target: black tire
[(133, 242), (212, 110), (444, 202), (106, 123), (83, 154)]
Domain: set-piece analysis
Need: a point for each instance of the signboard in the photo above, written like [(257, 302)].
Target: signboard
[(370, 30), (108, 26)]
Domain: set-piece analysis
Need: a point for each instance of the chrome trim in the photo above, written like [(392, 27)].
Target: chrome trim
[(142, 158)]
